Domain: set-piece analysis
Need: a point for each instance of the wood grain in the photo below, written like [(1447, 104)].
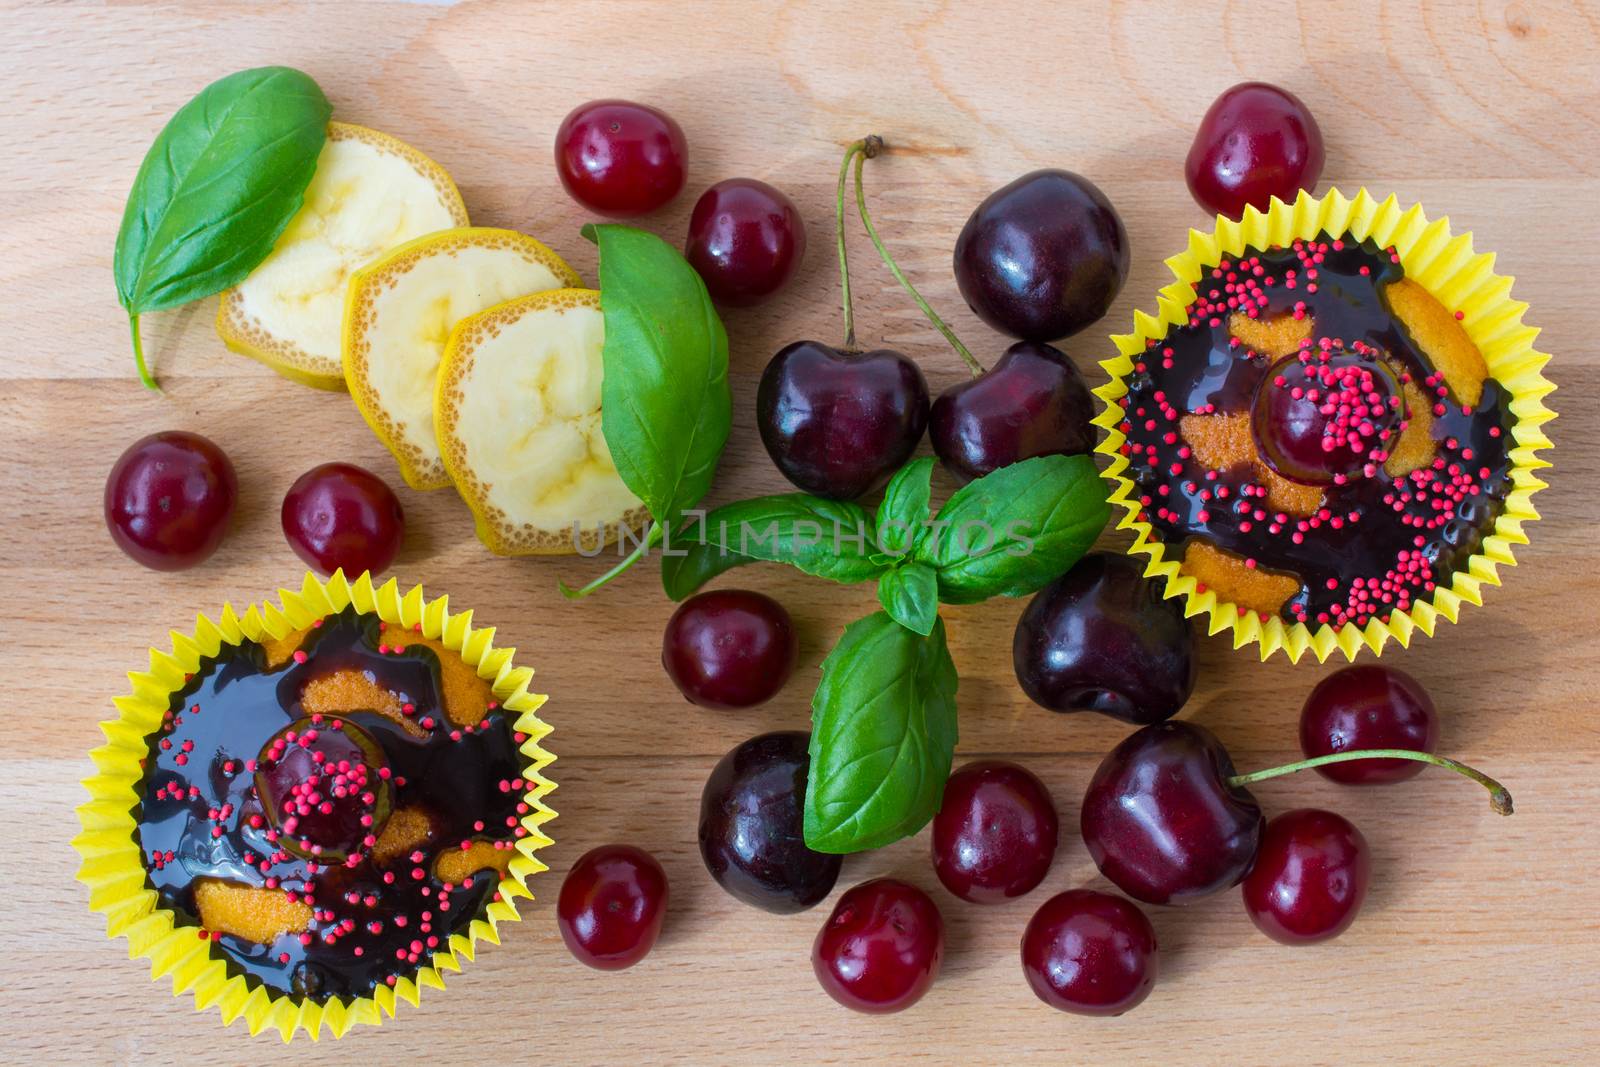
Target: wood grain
[(1480, 939)]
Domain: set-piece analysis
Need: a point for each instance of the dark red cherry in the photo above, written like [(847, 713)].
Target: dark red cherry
[(1161, 821), (1256, 141), (746, 239), (729, 648), (1090, 953), (1310, 877), (619, 158), (1043, 257), (995, 834), (1102, 638), (324, 787), (1031, 403), (752, 825), (881, 948), (611, 907), (1368, 707), (341, 516), (1326, 416), (838, 424), (169, 498)]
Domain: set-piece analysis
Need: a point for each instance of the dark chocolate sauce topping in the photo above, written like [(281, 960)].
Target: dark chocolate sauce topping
[(202, 816), (1377, 543)]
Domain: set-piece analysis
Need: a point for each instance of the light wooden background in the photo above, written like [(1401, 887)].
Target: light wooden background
[(1479, 942)]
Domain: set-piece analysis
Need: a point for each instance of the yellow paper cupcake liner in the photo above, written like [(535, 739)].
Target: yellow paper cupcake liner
[(114, 871), (1462, 280)]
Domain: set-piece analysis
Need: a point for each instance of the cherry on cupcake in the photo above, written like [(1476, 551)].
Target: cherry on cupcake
[(1090, 953), (611, 907), (1368, 706), (995, 834), (880, 950), (325, 787), (1310, 877), (1327, 415)]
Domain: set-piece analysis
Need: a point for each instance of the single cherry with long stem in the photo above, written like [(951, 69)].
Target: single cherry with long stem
[(1168, 820), (1032, 403), (839, 421)]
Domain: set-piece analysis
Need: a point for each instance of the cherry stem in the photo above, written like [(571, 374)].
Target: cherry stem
[(138, 356), (875, 146), (844, 263), (1499, 797), (623, 565)]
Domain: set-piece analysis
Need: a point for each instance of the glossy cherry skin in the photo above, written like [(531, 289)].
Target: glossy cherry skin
[(1327, 419), (1162, 823), (341, 516), (1090, 953), (1368, 707), (995, 834), (881, 948), (169, 498), (1256, 141), (839, 424), (729, 648), (752, 835), (1310, 877), (746, 239), (323, 788), (1031, 403), (1102, 638), (620, 158), (1043, 257), (611, 906)]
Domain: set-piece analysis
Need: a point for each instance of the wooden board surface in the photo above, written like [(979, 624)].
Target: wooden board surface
[(1480, 939)]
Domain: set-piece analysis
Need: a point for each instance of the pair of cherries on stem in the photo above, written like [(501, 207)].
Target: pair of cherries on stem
[(1041, 258), (1168, 820)]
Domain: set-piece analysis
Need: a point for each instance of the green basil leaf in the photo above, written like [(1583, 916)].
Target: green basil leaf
[(665, 407), (1016, 529), (217, 188), (883, 733), (827, 538), (910, 594), (903, 515)]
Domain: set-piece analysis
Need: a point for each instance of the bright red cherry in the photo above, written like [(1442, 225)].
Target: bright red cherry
[(995, 834), (1256, 141), (1163, 820), (620, 158), (729, 648), (611, 907), (1325, 416), (881, 948), (746, 239), (1090, 953), (169, 498), (1310, 877), (341, 516), (1368, 707)]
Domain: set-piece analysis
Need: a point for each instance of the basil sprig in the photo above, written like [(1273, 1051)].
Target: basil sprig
[(216, 189), (883, 718), (665, 407), (883, 734)]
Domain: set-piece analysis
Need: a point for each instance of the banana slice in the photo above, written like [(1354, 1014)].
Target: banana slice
[(370, 193), (398, 314), (517, 411)]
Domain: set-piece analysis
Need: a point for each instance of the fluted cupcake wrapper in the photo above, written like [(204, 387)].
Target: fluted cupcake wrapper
[(113, 868), (1463, 281)]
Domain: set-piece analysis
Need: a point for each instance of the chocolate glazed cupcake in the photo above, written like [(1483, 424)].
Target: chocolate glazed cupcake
[(336, 801), (1328, 438)]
